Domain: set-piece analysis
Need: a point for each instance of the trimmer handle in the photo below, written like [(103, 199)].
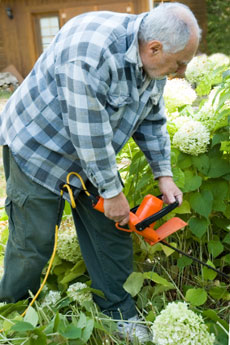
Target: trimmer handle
[(149, 220), (99, 205)]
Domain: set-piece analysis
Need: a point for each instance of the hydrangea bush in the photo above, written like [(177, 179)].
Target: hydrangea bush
[(204, 71), (192, 137), (51, 298), (198, 111), (79, 292), (184, 94), (177, 325), (68, 247), (200, 158)]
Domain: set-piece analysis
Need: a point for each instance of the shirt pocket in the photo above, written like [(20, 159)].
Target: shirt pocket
[(116, 108), (117, 101)]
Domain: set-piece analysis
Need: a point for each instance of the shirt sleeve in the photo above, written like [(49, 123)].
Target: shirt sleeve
[(82, 93), (154, 141)]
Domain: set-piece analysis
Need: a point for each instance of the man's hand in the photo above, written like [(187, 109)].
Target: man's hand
[(170, 191), (117, 209)]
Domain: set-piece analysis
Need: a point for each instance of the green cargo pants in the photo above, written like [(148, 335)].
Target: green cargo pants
[(32, 211)]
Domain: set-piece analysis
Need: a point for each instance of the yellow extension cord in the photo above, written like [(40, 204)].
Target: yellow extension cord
[(73, 205)]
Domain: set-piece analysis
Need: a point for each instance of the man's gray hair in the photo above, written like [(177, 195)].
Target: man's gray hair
[(171, 24)]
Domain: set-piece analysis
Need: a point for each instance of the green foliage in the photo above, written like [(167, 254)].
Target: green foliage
[(204, 180), (196, 297), (218, 30), (161, 274)]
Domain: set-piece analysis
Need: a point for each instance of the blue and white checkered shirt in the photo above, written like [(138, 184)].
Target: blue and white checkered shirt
[(84, 98)]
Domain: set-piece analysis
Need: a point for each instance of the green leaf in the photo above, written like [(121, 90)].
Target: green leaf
[(184, 161), (219, 137), (37, 337), (81, 323), (201, 162), (168, 251), (7, 309), (76, 271), (215, 248), (178, 177), (198, 226), (31, 316), (227, 239), (8, 323), (184, 208), (134, 283), (22, 326), (183, 262), (219, 205), (157, 279), (143, 181), (87, 331), (192, 182), (71, 332), (218, 167), (212, 315), (202, 202), (208, 273), (227, 212), (226, 259), (196, 296), (218, 292), (219, 189)]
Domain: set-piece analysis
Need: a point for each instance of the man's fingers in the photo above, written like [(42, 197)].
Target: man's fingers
[(124, 221), (179, 198), (170, 199)]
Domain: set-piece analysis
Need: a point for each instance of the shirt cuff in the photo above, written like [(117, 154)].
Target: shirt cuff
[(161, 170), (107, 186)]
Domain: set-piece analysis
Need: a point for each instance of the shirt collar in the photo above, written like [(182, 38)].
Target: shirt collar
[(132, 55)]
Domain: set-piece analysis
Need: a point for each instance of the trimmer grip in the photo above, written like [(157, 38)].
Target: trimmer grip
[(99, 206)]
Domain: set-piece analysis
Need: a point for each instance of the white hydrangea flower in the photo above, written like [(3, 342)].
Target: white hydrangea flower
[(75, 292), (192, 137), (68, 247), (51, 298), (219, 59), (181, 121), (206, 115), (197, 68), (177, 325), (178, 92)]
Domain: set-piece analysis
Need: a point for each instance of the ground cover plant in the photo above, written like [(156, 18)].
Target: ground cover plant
[(182, 302)]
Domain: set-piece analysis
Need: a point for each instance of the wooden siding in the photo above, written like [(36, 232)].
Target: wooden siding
[(18, 44), (18, 36)]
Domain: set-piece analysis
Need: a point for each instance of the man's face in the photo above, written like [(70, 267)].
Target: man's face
[(158, 64)]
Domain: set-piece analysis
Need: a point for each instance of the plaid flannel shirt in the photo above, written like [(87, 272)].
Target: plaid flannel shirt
[(84, 98)]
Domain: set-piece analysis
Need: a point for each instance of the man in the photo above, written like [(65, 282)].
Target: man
[(99, 83)]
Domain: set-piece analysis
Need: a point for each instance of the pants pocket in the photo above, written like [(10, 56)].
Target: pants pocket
[(14, 206)]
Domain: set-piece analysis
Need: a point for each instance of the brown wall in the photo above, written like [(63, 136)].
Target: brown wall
[(18, 45), (17, 36)]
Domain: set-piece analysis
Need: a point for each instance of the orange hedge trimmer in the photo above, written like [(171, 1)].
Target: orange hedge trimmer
[(141, 221)]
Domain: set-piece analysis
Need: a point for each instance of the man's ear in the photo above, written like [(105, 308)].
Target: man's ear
[(155, 47)]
